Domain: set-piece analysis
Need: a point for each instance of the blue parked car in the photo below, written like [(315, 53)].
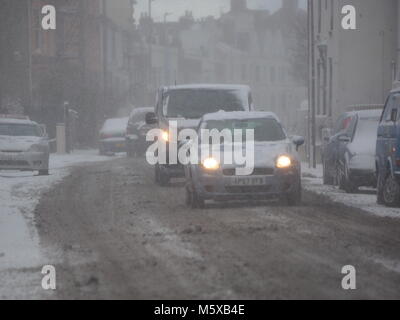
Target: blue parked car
[(388, 152)]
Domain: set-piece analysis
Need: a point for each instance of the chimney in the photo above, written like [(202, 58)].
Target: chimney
[(238, 5)]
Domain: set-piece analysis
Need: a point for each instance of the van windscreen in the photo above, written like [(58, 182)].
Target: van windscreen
[(194, 103)]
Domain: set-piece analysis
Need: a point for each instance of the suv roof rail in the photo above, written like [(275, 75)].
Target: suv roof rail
[(362, 107)]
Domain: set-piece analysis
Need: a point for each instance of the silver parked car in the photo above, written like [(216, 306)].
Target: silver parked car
[(24, 145), (356, 151), (113, 136), (276, 172)]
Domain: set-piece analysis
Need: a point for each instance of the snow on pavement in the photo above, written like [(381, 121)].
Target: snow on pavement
[(364, 200), (19, 194)]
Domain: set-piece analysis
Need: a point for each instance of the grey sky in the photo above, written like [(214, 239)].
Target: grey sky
[(200, 8)]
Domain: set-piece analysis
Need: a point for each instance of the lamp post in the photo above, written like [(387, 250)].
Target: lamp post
[(149, 85)]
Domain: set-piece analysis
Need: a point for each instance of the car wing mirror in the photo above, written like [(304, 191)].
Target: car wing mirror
[(344, 138), (298, 141)]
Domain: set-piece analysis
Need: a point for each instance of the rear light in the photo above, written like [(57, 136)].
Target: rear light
[(398, 162)]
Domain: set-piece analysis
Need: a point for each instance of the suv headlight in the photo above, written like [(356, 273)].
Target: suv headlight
[(283, 162), (211, 164)]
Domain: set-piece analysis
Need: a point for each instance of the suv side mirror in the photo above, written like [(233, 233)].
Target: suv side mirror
[(151, 118)]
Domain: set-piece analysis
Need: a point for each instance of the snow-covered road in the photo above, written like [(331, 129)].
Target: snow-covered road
[(19, 194)]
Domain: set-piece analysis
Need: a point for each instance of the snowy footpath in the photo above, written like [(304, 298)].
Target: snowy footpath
[(365, 199), (19, 194)]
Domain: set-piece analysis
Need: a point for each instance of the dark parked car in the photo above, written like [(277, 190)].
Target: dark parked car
[(388, 152), (136, 132), (186, 104)]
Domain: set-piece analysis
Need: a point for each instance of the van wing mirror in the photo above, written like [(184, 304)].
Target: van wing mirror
[(151, 118)]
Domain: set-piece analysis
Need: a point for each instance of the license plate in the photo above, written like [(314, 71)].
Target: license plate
[(248, 181), (120, 145)]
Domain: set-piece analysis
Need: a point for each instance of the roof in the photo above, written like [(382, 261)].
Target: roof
[(210, 87), (16, 121), (238, 115)]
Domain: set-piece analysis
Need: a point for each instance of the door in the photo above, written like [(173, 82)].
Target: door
[(387, 137)]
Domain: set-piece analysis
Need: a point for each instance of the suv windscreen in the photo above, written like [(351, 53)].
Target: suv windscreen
[(265, 129), (194, 103), (19, 130)]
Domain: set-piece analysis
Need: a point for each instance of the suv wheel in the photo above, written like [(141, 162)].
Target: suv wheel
[(328, 179), (391, 192), (349, 186)]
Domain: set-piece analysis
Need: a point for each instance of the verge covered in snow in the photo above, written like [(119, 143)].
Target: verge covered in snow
[(365, 199), (19, 194)]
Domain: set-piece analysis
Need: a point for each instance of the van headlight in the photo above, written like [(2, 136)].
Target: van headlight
[(283, 162), (211, 164)]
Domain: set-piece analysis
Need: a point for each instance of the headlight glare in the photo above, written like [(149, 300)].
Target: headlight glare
[(165, 135), (211, 164), (283, 162)]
